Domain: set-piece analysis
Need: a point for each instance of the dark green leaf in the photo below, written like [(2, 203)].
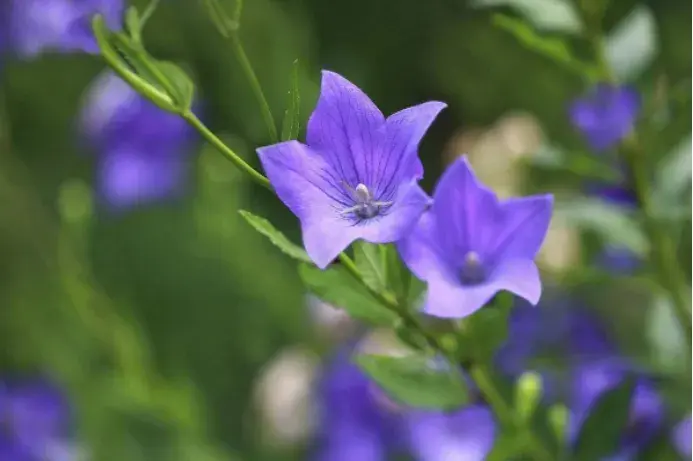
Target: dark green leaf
[(487, 328), (398, 277), (182, 87), (290, 125), (339, 288), (414, 380), (550, 47), (600, 434), (370, 262), (277, 238)]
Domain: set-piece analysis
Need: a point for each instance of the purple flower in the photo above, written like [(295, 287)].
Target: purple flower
[(646, 407), (60, 25), (606, 115), (471, 245), (467, 434), (357, 177), (35, 416), (143, 151), (682, 437), (354, 423)]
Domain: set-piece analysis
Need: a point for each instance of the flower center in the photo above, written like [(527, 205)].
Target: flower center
[(472, 271), (365, 207)]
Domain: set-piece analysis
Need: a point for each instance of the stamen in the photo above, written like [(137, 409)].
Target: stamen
[(362, 194), (472, 270), (365, 207)]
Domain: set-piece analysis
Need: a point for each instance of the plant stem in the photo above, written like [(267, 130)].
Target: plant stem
[(662, 247), (480, 376), (225, 151)]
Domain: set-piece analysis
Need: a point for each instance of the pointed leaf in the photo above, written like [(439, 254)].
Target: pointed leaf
[(600, 434), (550, 15), (266, 228), (632, 45), (339, 288), (368, 257), (416, 381), (398, 277), (182, 87), (290, 126)]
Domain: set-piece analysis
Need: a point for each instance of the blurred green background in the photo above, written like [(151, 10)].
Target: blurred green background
[(159, 321)]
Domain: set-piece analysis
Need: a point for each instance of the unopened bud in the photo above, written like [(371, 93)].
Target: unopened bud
[(528, 392), (558, 421)]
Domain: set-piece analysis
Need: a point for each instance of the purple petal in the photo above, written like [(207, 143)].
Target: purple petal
[(682, 437), (522, 229), (518, 276), (466, 435), (133, 176), (38, 413), (465, 211), (347, 128), (404, 131), (304, 182), (447, 298), (606, 115), (420, 251)]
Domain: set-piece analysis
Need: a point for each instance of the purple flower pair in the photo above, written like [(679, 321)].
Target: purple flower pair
[(357, 178)]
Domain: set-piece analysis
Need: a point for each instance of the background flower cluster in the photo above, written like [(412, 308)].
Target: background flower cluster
[(142, 318)]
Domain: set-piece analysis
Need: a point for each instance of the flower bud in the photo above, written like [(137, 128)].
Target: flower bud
[(528, 392), (558, 421)]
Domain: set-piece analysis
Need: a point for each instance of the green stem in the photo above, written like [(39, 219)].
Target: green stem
[(225, 151), (480, 376), (243, 60), (662, 247), (148, 11)]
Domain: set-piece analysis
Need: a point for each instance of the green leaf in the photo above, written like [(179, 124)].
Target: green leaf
[(632, 45), (370, 262), (486, 329), (290, 125), (397, 276), (339, 288), (182, 87), (671, 192), (550, 47), (582, 164), (132, 23), (600, 434), (224, 24), (415, 381), (550, 15), (266, 228), (612, 223)]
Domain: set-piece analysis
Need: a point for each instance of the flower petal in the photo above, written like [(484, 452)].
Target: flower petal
[(447, 298), (467, 434), (468, 209), (408, 205), (399, 158), (419, 249), (307, 185), (521, 277), (346, 128), (521, 232), (682, 437)]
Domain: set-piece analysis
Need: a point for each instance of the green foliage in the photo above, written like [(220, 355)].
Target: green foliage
[(416, 381), (550, 15), (339, 288), (600, 433), (614, 224), (291, 126), (485, 330), (266, 228), (553, 48)]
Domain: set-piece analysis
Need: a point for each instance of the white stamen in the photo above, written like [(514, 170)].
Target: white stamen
[(362, 194), (472, 259)]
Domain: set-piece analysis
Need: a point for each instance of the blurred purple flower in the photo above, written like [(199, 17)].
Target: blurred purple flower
[(646, 407), (354, 425), (682, 437), (35, 417), (467, 434), (143, 151), (470, 245), (357, 177), (59, 25), (606, 115)]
